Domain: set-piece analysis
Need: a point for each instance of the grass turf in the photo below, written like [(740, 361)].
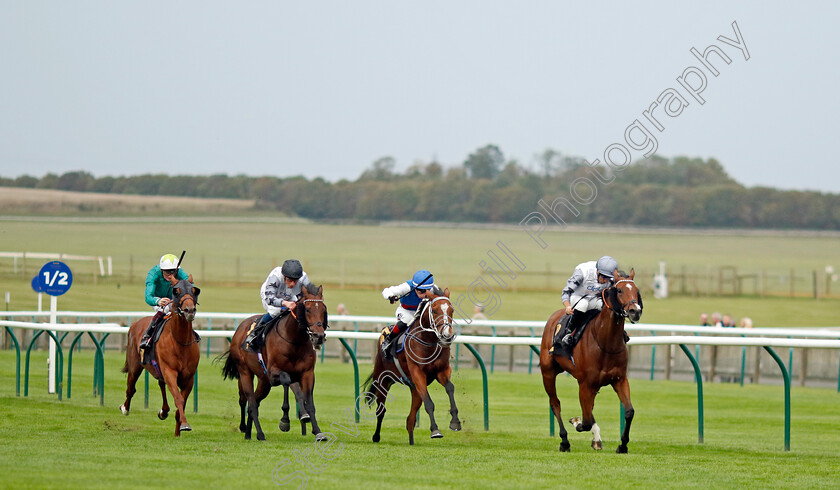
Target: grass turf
[(77, 443)]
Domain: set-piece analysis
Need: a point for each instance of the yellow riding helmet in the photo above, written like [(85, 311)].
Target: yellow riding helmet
[(168, 262)]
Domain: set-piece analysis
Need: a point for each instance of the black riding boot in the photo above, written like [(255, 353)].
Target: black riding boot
[(146, 340), (254, 341), (575, 330), (399, 327)]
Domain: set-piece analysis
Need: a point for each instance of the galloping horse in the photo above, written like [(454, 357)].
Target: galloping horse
[(288, 359), (424, 358), (176, 354), (599, 359)]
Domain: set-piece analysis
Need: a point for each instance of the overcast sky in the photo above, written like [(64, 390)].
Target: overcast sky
[(325, 88)]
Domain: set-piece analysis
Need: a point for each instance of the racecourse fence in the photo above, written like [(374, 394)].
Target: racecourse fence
[(765, 338), (719, 363)]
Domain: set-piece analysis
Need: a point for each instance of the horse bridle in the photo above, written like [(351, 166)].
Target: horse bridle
[(182, 314), (623, 311), (294, 315), (447, 322)]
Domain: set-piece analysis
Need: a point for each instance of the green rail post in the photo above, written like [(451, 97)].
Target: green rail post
[(457, 355), (355, 341), (146, 392), (492, 351), (59, 368), (98, 367), (838, 378), (621, 418), (786, 376), (743, 361), (698, 377), (652, 359), (484, 381), (209, 327), (70, 363), (17, 362), (531, 353), (355, 372)]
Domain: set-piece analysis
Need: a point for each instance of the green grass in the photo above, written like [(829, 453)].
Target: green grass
[(230, 260), (77, 443)]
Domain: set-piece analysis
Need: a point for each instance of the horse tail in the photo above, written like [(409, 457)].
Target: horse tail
[(125, 366), (229, 370)]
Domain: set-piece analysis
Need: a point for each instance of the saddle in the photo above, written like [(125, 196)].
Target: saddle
[(267, 327), (397, 345), (148, 355), (562, 328)]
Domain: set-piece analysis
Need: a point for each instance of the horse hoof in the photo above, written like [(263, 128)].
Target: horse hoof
[(436, 434), (242, 429), (123, 410), (375, 438), (321, 437), (455, 426), (162, 415), (260, 437), (621, 450), (565, 447), (304, 417), (185, 427), (285, 426), (597, 445)]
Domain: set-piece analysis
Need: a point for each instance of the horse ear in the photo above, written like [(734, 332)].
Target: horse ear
[(611, 296), (616, 273), (196, 292), (176, 291), (632, 273), (320, 290), (190, 279), (446, 292)]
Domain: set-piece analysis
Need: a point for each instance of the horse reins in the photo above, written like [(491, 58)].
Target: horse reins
[(181, 313), (623, 311), (294, 315)]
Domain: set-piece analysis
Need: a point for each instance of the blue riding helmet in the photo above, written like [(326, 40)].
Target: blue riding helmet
[(422, 280)]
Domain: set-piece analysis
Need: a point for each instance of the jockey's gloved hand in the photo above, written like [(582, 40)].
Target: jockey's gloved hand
[(392, 299)]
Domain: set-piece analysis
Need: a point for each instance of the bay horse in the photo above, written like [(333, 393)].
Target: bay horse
[(599, 359), (288, 359), (425, 358), (176, 354)]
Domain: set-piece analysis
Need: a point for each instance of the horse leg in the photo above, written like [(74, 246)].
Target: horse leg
[(307, 386), (416, 401), (419, 379), (444, 378), (243, 403), (185, 394), (134, 370), (550, 385), (247, 400), (622, 389), (171, 377), (586, 422), (164, 409), (381, 394), (263, 388), (284, 425), (303, 418)]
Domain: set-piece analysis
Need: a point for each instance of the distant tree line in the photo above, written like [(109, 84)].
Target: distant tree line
[(684, 192)]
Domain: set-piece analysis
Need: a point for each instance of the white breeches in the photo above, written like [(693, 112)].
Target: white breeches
[(586, 303), (405, 316)]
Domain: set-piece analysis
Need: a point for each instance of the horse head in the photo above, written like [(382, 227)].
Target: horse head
[(624, 297), (437, 317), (314, 314), (185, 297)]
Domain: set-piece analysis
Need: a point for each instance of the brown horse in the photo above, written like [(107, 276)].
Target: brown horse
[(599, 359), (176, 354), (288, 359), (424, 359)]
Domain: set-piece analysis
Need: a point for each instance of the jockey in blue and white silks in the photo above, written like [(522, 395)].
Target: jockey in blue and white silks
[(410, 294)]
